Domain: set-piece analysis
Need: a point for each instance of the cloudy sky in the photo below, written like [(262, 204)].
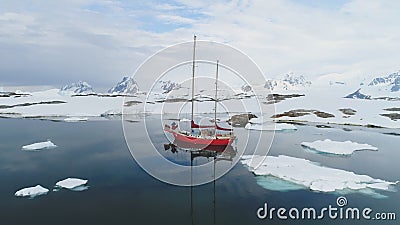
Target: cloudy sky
[(58, 42)]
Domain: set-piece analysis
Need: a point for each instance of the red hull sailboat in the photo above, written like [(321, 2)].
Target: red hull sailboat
[(208, 135), (195, 140), (205, 140)]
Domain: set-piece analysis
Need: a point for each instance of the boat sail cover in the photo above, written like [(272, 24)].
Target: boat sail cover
[(195, 125)]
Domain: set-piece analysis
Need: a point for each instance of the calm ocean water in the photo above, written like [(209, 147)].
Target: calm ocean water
[(121, 192)]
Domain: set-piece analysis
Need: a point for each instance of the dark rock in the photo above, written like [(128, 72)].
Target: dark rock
[(303, 112), (240, 120), (348, 111), (394, 109), (275, 98), (358, 95), (392, 116)]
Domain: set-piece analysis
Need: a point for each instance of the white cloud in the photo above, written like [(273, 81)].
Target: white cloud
[(100, 41), (175, 19), (168, 7), (282, 36)]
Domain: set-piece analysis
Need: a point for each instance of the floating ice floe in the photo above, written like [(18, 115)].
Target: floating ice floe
[(337, 147), (311, 175), (270, 126), (32, 191), (39, 146), (277, 184), (75, 119), (259, 120), (74, 184)]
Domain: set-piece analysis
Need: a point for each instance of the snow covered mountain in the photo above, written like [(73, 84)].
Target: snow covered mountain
[(294, 80), (289, 82), (246, 88), (127, 86), (80, 87), (390, 82), (168, 86), (385, 87), (319, 104)]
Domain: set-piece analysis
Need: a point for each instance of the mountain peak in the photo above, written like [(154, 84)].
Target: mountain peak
[(80, 87), (126, 86), (168, 86), (289, 82), (391, 82), (383, 87), (358, 95), (294, 80)]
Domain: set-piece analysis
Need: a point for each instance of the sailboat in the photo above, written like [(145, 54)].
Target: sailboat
[(209, 136)]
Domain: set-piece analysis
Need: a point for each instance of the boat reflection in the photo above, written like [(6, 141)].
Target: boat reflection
[(217, 153)]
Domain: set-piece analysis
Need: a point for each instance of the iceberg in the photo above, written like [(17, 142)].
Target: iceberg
[(337, 147), (270, 126), (311, 175), (39, 146), (32, 191), (74, 184)]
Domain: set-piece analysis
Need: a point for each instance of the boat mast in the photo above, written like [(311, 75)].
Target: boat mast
[(214, 210), (193, 65), (215, 100), (191, 188)]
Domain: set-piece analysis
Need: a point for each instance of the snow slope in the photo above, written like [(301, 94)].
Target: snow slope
[(330, 99), (172, 97), (68, 106), (270, 126)]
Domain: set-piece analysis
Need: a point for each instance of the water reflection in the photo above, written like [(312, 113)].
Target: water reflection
[(188, 152), (216, 153)]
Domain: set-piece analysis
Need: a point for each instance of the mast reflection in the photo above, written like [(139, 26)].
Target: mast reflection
[(216, 153)]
